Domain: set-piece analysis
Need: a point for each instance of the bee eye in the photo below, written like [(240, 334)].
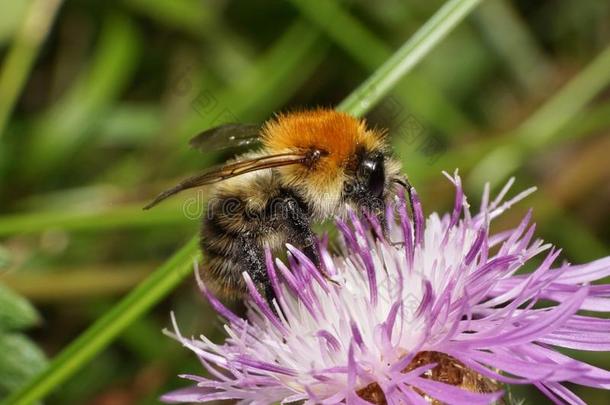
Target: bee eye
[(372, 175)]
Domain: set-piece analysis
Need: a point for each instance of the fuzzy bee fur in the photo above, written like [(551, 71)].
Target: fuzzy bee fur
[(311, 165)]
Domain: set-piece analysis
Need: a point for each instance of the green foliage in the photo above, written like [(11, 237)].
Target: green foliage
[(21, 359), (16, 313), (96, 112), (166, 277)]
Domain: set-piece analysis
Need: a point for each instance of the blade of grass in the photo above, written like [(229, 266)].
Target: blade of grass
[(163, 280), (404, 59), (130, 124), (186, 15), (227, 56), (500, 156), (22, 54), (591, 121), (11, 16), (469, 62), (203, 101), (422, 97), (555, 119)]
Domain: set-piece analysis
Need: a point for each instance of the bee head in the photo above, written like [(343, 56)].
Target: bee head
[(370, 174), (351, 160), (370, 179)]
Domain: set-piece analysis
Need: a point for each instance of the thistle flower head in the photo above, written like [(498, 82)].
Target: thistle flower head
[(437, 311)]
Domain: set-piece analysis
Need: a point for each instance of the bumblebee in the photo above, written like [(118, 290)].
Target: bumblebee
[(311, 166)]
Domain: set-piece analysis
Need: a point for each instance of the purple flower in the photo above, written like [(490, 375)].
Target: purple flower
[(439, 313)]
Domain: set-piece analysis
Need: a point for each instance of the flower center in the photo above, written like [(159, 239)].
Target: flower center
[(448, 370)]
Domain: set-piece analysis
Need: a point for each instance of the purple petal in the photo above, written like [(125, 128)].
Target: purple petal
[(450, 394), (215, 303), (262, 304), (476, 246)]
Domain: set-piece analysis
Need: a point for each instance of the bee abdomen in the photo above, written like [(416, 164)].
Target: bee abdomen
[(223, 276), (223, 239), (226, 221)]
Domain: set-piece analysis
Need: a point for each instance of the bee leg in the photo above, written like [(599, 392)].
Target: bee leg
[(253, 258), (369, 207), (404, 182), (299, 229), (296, 223), (383, 223)]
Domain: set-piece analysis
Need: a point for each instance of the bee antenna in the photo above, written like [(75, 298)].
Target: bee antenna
[(165, 194), (156, 201)]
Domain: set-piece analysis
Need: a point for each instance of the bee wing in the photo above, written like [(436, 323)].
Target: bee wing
[(233, 169), (225, 137)]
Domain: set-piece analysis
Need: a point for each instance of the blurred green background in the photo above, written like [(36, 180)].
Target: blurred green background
[(99, 98)]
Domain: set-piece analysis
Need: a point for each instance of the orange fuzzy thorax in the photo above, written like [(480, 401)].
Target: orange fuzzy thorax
[(336, 133)]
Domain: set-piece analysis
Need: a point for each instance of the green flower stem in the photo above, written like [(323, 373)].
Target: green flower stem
[(164, 279), (22, 54), (369, 93)]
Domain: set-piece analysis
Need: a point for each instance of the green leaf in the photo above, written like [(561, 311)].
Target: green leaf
[(21, 360), (16, 312)]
